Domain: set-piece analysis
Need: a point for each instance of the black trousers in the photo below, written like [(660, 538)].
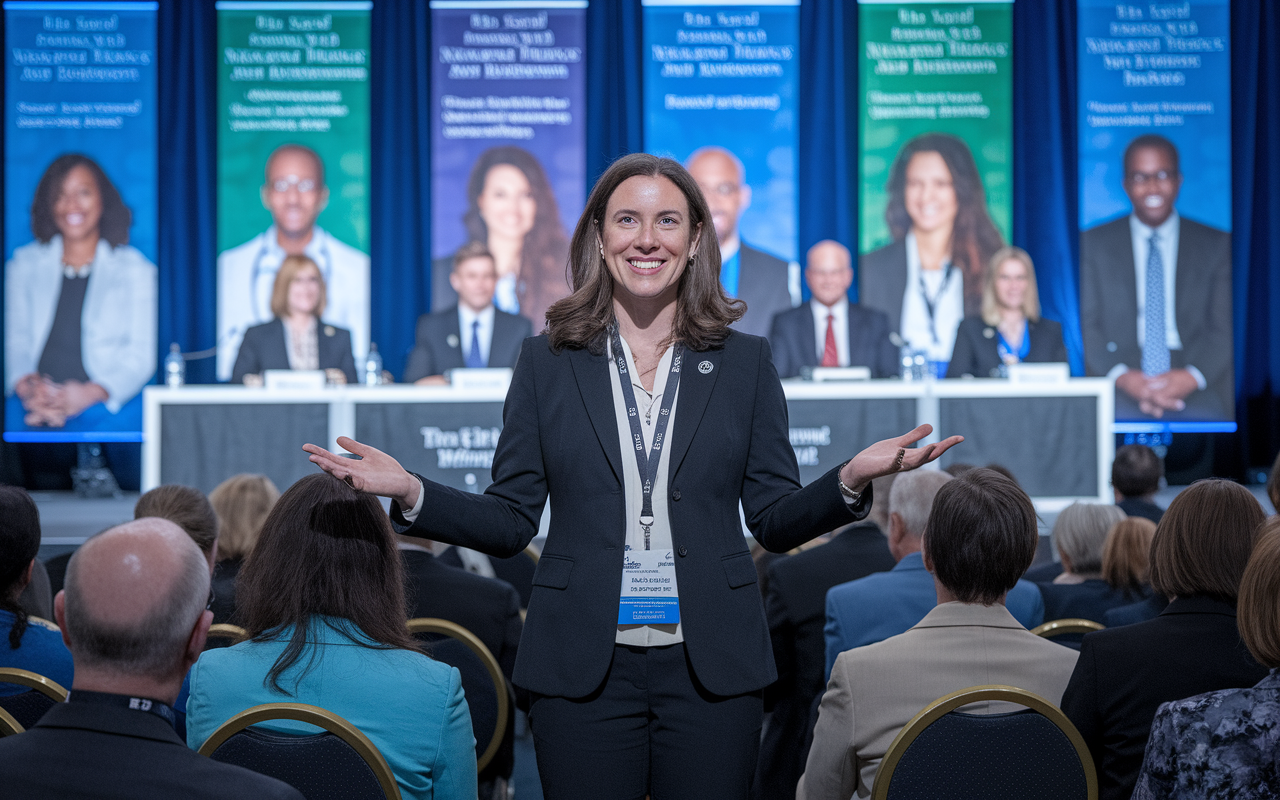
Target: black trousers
[(649, 729)]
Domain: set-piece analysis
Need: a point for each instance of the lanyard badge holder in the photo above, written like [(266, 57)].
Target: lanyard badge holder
[(648, 576)]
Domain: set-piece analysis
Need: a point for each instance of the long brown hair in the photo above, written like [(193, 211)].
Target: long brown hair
[(974, 237), (325, 550), (703, 310), (116, 216)]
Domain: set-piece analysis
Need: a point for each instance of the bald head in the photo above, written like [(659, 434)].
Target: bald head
[(720, 175), (133, 595), (828, 271)]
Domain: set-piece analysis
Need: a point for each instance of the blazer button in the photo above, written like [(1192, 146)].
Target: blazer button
[(682, 551), (675, 495)]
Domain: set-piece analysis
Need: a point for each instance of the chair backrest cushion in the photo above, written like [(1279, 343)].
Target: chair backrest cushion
[(320, 766), (990, 757), (27, 707), (477, 685)]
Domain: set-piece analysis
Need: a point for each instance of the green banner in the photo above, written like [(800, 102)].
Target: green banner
[(935, 83), (293, 97)]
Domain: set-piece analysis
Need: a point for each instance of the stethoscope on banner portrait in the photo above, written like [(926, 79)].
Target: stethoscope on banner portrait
[(258, 272)]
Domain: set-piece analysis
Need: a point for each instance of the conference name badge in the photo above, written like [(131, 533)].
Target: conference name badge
[(648, 588)]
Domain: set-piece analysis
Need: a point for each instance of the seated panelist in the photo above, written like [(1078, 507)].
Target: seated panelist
[(829, 331), (1010, 329), (296, 339), (472, 334)]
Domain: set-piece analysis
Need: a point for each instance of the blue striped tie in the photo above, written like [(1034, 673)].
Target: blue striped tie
[(474, 359), (1155, 344)]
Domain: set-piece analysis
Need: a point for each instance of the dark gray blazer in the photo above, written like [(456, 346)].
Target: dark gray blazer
[(793, 340), (434, 351), (1109, 309), (263, 347), (762, 285), (82, 750), (977, 347)]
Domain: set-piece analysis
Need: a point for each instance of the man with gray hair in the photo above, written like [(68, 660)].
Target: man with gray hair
[(886, 604), (133, 615)]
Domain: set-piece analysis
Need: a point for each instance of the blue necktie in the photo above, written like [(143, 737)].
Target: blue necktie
[(1155, 344), (474, 360)]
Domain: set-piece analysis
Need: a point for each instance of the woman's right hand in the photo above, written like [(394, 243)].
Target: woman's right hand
[(374, 472)]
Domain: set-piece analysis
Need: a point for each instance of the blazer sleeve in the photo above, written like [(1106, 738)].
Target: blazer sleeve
[(420, 364), (887, 363), (780, 343), (1159, 773), (346, 361), (831, 773), (248, 360), (964, 359), (1080, 700), (454, 767)]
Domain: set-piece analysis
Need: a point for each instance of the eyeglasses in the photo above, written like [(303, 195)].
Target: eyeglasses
[(725, 189), (284, 184), (1140, 178)]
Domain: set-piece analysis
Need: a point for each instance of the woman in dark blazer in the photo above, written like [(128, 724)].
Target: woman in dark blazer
[(1010, 329), (296, 338), (1198, 555), (677, 712)]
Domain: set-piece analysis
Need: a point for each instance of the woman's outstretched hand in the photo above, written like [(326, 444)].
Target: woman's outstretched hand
[(374, 472), (889, 456)]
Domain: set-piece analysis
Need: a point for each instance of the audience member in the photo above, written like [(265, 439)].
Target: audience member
[(1273, 485), (37, 598), (241, 503), (795, 607), (1135, 479), (133, 614), (25, 643), (1227, 743), (517, 570), (1126, 561), (981, 535), (886, 604), (323, 601), (1081, 592), (1198, 555), (188, 509)]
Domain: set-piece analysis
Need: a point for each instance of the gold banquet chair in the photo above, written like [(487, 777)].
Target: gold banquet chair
[(26, 708), (1063, 627), (341, 762), (224, 634), (943, 752)]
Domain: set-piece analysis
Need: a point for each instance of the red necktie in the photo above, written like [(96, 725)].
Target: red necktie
[(830, 356)]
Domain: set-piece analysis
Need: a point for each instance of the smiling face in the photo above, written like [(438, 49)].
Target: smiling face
[(304, 291), (506, 203), (77, 211), (293, 192), (930, 195), (1152, 181), (1011, 284), (646, 239), (828, 272), (727, 196), (474, 280)]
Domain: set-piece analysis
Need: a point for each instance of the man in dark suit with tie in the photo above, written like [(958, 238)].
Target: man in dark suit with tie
[(133, 615), (757, 278), (473, 334), (830, 331), (1155, 298)]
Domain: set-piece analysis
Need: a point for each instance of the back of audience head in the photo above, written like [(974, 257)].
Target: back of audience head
[(1204, 540), (241, 503), (1126, 556), (981, 536), (910, 499), (326, 550), (1080, 534), (1135, 472), (19, 543), (1258, 614), (133, 606), (188, 509)]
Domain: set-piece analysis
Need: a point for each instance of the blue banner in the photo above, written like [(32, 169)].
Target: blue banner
[(721, 96), (80, 219), (508, 144), (1155, 208)]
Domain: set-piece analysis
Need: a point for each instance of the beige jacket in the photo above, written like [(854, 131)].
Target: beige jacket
[(875, 690)]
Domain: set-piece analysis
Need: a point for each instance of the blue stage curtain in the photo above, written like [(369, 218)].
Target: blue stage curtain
[(400, 104), (615, 104)]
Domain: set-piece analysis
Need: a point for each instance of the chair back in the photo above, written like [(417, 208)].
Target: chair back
[(224, 634), (1070, 625), (341, 762), (942, 752), (482, 680), (26, 708)]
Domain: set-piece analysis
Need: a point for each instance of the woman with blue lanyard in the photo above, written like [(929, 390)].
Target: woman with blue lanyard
[(1010, 329), (646, 421)]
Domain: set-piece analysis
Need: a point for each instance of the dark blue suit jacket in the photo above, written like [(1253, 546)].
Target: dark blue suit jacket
[(560, 440), (434, 351), (793, 339)]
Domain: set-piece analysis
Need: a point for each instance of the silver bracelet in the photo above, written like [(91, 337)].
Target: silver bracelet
[(849, 494)]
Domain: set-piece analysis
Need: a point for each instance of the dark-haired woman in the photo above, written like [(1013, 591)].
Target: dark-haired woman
[(645, 420), (80, 302), (930, 277), (323, 601), (25, 643), (512, 210)]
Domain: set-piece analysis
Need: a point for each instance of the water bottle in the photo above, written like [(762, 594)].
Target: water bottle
[(175, 367), (373, 366), (908, 363)]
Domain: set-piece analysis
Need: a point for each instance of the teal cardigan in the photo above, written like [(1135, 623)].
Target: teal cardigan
[(410, 706)]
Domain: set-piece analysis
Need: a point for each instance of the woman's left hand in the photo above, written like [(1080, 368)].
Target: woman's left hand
[(893, 455)]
